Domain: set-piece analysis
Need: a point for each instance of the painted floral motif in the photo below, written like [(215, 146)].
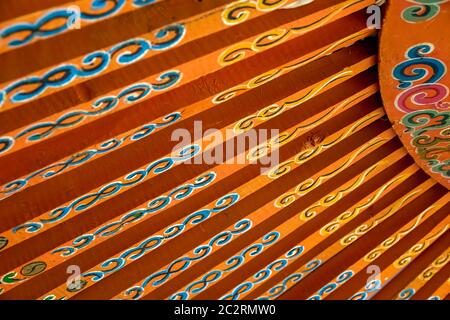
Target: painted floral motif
[(423, 99), (239, 11), (422, 10), (92, 64), (23, 33)]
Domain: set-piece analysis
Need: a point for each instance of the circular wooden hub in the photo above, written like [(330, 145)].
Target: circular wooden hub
[(414, 78)]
